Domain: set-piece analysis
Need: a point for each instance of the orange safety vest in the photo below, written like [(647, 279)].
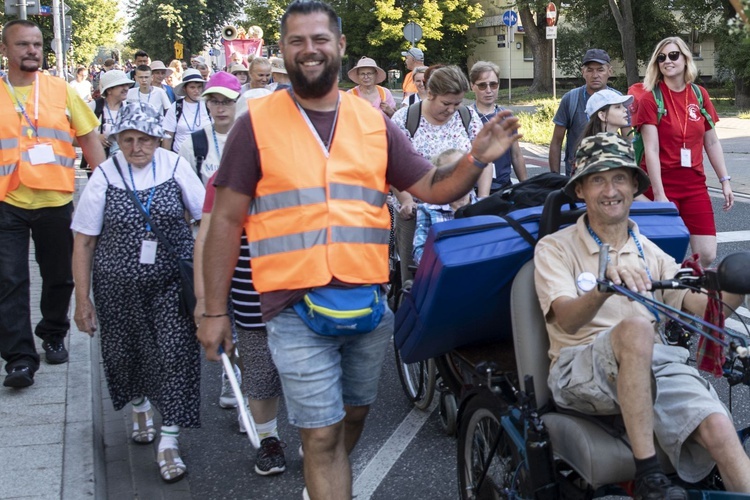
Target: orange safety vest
[(314, 217), (17, 137), (409, 86), (381, 92)]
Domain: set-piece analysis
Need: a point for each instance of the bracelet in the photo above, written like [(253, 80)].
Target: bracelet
[(476, 162), (725, 178), (214, 315)]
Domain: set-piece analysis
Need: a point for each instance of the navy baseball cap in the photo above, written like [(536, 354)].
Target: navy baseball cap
[(596, 55)]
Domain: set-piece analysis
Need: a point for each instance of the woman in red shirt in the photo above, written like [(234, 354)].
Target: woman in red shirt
[(674, 144)]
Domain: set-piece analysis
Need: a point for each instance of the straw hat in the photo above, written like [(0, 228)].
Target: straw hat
[(277, 65), (158, 65), (366, 62), (238, 68)]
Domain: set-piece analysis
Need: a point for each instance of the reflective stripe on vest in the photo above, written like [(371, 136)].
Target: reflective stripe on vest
[(53, 128), (314, 218)]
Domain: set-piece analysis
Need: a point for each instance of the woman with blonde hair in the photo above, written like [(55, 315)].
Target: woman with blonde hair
[(174, 78), (675, 131)]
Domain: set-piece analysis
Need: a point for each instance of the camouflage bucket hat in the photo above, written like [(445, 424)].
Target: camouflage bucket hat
[(139, 116), (602, 152)]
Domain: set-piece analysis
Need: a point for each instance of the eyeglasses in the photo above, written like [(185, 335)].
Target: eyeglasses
[(673, 56), (367, 74), (483, 85), (217, 103)]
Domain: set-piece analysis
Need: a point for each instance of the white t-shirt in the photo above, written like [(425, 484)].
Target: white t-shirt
[(156, 97), (194, 117), (213, 157), (108, 120), (83, 89), (89, 215)]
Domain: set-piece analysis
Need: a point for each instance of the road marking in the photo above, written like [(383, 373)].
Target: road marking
[(732, 236), (377, 468)]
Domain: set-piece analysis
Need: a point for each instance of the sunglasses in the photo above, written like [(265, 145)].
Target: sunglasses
[(483, 85), (673, 56)]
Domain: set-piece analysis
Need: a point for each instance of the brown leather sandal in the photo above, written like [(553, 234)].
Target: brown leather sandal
[(143, 427), (171, 466)]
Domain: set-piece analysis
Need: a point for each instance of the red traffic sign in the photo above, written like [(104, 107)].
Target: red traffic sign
[(551, 14)]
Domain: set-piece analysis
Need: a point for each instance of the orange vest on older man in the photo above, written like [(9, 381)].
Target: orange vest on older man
[(44, 129), (318, 214)]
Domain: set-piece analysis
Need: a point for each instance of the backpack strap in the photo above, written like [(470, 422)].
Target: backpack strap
[(413, 117), (705, 113), (178, 109), (465, 117), (659, 99), (99, 111), (200, 148), (355, 91), (575, 95), (381, 92)]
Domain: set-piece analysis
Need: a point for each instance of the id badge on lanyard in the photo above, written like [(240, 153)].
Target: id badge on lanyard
[(39, 154), (148, 252), (685, 157)]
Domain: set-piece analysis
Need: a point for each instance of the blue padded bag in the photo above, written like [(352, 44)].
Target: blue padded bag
[(461, 292)]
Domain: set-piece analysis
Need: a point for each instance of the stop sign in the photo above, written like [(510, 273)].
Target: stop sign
[(551, 14)]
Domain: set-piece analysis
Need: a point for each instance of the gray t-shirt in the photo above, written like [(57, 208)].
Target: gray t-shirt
[(572, 115)]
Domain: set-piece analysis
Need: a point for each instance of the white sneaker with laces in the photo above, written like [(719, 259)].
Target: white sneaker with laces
[(226, 398)]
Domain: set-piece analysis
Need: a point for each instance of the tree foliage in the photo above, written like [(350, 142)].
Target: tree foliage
[(156, 25), (95, 23)]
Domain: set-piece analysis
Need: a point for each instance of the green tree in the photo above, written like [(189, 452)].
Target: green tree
[(534, 21), (157, 24), (95, 23)]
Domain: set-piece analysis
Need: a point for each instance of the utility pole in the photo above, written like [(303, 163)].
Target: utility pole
[(57, 40)]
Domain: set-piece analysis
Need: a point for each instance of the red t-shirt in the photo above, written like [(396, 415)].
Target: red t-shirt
[(683, 112)]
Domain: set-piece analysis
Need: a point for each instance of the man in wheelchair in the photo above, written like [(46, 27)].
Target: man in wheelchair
[(606, 354)]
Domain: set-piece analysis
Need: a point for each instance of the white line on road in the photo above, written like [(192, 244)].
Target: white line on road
[(732, 236), (376, 470)]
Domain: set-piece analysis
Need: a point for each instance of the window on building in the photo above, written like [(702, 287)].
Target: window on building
[(527, 54), (693, 41)]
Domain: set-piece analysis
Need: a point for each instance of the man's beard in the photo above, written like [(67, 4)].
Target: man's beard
[(312, 89), (29, 65)]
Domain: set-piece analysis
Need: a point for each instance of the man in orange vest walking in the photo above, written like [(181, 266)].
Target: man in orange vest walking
[(413, 58), (42, 115), (306, 173)]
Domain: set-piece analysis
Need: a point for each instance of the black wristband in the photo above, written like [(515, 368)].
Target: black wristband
[(214, 315)]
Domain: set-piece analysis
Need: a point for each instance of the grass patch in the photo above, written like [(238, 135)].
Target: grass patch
[(745, 115), (537, 127)]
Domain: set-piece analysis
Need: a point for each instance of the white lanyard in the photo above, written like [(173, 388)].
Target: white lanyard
[(34, 125), (324, 146)]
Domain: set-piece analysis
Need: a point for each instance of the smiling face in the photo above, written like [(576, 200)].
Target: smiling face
[(22, 45), (260, 75), (419, 83), (157, 76), (118, 93), (312, 54), (608, 195), (670, 68)]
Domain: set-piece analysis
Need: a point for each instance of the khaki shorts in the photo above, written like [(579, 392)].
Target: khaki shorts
[(584, 379)]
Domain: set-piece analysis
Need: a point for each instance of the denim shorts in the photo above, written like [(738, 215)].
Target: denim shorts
[(321, 374)]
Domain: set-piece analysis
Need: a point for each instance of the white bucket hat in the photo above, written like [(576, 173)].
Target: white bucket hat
[(113, 78)]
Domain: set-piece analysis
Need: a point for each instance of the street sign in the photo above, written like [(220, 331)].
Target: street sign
[(412, 32), (551, 32), (12, 8), (551, 15), (510, 18)]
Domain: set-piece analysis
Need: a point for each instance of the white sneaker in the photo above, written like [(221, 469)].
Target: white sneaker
[(305, 495), (227, 399), (301, 452)]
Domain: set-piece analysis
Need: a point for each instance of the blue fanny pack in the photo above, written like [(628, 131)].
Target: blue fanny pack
[(342, 311)]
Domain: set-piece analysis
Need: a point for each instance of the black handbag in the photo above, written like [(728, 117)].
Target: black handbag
[(185, 266)]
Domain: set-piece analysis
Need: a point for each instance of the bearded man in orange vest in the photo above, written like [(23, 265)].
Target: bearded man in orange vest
[(42, 115), (306, 173)]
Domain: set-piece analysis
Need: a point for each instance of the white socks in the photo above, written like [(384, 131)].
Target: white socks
[(267, 430), (169, 435), (141, 404)]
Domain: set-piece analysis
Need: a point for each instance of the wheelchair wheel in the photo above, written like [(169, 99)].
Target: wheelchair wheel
[(417, 380), (480, 428), (448, 410)]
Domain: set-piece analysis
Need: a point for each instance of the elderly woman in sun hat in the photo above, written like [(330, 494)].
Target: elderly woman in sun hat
[(150, 353), (188, 114), (279, 75), (114, 87), (366, 74)]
